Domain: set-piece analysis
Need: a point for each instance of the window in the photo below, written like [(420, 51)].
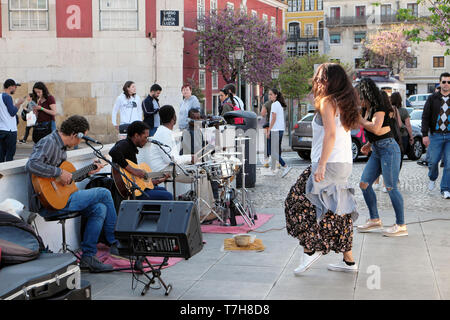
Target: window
[(309, 5), (320, 27), (313, 48), (386, 9), (359, 63), (294, 5), (438, 62), (201, 79), (413, 8), (200, 9), (265, 18), (213, 6), (30, 15), (230, 6), (309, 30), (302, 49), (412, 63), (335, 38), (254, 14), (359, 36), (335, 12), (201, 54), (215, 79), (118, 15), (319, 4), (360, 11), (273, 23), (431, 87), (291, 50), (294, 30)]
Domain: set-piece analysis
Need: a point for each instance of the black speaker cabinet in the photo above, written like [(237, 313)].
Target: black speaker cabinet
[(158, 228)]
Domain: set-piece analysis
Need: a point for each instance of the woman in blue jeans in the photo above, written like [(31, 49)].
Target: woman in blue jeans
[(385, 159)]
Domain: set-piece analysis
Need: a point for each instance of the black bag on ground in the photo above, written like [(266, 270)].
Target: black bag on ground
[(18, 241), (102, 180), (41, 130)]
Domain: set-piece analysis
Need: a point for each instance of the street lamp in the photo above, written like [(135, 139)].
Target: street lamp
[(275, 73), (239, 57)]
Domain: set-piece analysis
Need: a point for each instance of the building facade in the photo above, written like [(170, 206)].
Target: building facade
[(304, 25), (86, 50), (348, 22), (193, 67)]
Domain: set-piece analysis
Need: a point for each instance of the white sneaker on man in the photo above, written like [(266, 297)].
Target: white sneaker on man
[(286, 171), (370, 225), (342, 267), (306, 262), (431, 185), (395, 231), (446, 194)]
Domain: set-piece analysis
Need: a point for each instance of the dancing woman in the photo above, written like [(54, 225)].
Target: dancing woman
[(320, 208), (385, 159)]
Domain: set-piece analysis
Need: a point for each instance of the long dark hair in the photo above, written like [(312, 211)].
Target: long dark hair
[(229, 94), (280, 97), (396, 100), (369, 91), (386, 101), (332, 83), (40, 86), (125, 88)]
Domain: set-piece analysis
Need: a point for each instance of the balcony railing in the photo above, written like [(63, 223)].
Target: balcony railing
[(361, 20), (299, 38)]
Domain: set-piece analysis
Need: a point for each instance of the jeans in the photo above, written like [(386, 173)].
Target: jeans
[(157, 193), (385, 160), (8, 140), (53, 125), (27, 132), (275, 136), (97, 206), (438, 149)]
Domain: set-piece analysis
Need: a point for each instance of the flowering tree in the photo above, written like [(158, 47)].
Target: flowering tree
[(388, 48), (222, 32), (434, 28)]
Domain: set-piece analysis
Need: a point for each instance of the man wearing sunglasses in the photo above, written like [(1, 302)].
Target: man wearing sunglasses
[(436, 122)]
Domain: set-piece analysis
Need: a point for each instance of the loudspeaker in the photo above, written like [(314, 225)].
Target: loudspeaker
[(158, 228)]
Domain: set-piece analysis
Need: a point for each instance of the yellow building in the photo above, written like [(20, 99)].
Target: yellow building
[(304, 25)]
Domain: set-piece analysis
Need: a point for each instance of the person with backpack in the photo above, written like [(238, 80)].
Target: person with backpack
[(384, 159), (229, 104), (230, 88)]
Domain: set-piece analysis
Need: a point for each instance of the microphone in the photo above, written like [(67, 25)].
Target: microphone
[(86, 138), (151, 140)]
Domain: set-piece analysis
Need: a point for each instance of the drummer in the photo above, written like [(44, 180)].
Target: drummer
[(193, 142)]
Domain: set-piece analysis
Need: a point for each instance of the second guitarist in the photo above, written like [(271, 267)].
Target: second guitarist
[(127, 149)]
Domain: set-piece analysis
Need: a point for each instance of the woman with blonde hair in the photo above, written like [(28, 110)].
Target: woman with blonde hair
[(320, 208)]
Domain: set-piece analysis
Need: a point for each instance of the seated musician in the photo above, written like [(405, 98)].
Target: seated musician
[(127, 149), (95, 204), (158, 159)]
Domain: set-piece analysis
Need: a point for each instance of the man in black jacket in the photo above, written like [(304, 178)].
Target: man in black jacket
[(150, 108), (436, 121)]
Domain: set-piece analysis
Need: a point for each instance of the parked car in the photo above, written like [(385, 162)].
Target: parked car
[(409, 109), (415, 151), (416, 117), (302, 138), (418, 100)]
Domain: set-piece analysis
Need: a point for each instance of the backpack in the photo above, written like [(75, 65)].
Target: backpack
[(238, 120), (18, 241), (396, 130)]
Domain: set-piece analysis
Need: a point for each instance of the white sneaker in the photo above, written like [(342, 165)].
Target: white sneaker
[(370, 226), (286, 171), (342, 267), (446, 195), (431, 185), (396, 231), (306, 262), (376, 186), (385, 190)]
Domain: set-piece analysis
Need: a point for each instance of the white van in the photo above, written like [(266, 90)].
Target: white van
[(418, 100)]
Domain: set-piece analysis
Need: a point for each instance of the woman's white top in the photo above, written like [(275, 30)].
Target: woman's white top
[(342, 150), (130, 109), (279, 121)]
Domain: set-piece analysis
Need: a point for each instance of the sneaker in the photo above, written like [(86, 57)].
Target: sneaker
[(376, 186), (22, 141), (114, 252), (286, 171), (370, 226), (306, 262), (385, 190), (342, 267), (422, 163), (395, 231), (431, 185), (266, 165), (445, 194), (94, 265)]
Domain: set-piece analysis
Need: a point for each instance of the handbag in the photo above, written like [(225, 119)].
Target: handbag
[(23, 115), (41, 129)]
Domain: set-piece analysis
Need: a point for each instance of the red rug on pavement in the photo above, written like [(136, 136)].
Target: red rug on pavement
[(215, 226), (104, 256)]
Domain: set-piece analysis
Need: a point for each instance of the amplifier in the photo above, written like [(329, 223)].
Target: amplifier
[(158, 228)]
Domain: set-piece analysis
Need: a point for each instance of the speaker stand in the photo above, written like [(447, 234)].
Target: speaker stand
[(156, 273)]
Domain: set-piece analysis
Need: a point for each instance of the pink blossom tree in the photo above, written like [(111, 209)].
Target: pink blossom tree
[(388, 48), (222, 32)]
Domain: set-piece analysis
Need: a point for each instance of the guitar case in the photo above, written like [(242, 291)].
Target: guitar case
[(50, 275)]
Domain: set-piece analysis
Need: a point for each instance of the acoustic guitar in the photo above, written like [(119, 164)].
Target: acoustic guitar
[(124, 186), (52, 193)]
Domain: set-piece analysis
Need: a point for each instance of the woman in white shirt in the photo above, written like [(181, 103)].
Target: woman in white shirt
[(128, 104), (276, 129)]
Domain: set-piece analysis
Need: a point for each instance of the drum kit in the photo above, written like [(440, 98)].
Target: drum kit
[(222, 167)]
